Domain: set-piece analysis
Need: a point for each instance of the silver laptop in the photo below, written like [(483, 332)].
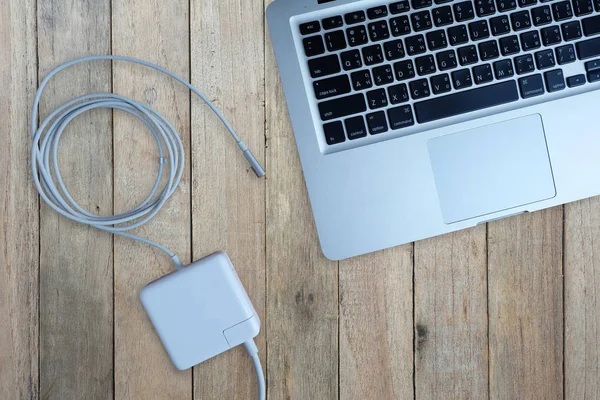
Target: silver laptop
[(415, 118)]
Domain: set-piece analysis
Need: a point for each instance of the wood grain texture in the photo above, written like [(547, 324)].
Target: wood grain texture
[(582, 299), (302, 286), (159, 33), (376, 325), (228, 200), (451, 326), (19, 217), (526, 306), (76, 268)]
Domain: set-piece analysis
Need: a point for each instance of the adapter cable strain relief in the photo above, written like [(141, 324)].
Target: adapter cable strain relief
[(254, 163), (253, 353), (177, 261)]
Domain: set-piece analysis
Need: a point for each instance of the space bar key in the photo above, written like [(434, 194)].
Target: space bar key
[(466, 101)]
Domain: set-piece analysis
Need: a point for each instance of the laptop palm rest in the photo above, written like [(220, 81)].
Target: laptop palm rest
[(492, 168)]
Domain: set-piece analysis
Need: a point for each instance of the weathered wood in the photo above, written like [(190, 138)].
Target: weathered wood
[(76, 268), (526, 306), (376, 325), (302, 286), (451, 346), (159, 33), (228, 200), (19, 213), (582, 297)]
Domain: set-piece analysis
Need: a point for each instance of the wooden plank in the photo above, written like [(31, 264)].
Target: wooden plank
[(526, 306), (582, 295), (451, 347), (159, 33), (228, 199), (76, 263), (19, 217), (376, 325), (302, 286)]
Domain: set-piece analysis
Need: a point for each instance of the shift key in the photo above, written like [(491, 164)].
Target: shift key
[(342, 107)]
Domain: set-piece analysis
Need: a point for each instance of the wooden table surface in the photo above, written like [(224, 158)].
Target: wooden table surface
[(503, 311)]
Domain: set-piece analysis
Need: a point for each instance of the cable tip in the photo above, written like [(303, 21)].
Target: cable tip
[(256, 167)]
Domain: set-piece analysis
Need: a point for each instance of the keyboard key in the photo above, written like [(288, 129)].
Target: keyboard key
[(334, 133), (530, 40), (446, 60), (479, 30), (393, 50), (400, 25), (520, 20), (377, 99), (333, 22), (383, 75), (551, 35), (467, 55), (588, 48), (562, 10), (503, 69), (330, 87), (583, 7), (591, 25), (425, 65), (310, 27), (419, 89), (355, 17), (506, 5), (379, 31), (377, 12), (485, 7), (421, 21), (398, 93), (545, 59), (463, 11), (462, 79), (541, 15), (565, 54), (577, 80), (377, 123), (416, 4), (361, 80), (342, 107), (440, 84), (524, 64), (399, 7), (527, 3), (313, 46), (488, 50), (442, 16), (324, 66), (355, 127), (531, 86), (597, 5), (404, 70), (401, 117), (351, 60), (500, 25), (437, 40), (510, 45), (458, 35), (415, 45), (372, 55), (466, 101), (592, 65), (593, 76), (357, 35), (555, 80), (571, 31), (335, 40), (483, 74)]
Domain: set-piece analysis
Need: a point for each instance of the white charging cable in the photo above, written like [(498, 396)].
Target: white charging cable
[(44, 164)]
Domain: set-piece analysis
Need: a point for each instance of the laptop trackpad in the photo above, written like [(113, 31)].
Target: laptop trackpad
[(492, 168)]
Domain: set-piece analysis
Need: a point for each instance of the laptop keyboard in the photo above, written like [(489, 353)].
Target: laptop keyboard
[(400, 64)]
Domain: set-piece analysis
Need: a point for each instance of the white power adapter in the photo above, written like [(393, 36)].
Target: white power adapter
[(201, 311)]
